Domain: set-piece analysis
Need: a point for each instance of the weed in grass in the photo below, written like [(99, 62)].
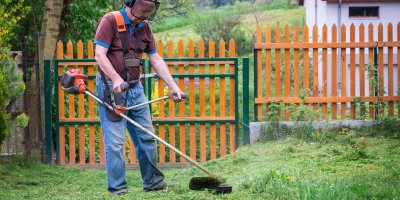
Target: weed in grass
[(387, 127), (357, 151), (338, 189), (271, 183), (304, 132), (333, 150)]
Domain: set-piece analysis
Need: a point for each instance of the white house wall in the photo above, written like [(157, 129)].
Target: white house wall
[(328, 14)]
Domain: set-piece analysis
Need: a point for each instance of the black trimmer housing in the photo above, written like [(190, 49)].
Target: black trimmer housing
[(74, 81), (209, 183)]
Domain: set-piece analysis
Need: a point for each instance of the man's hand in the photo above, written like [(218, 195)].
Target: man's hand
[(117, 84), (176, 94)]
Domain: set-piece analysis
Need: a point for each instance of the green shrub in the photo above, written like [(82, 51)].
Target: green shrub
[(11, 86), (387, 127), (4, 126), (226, 26), (217, 25)]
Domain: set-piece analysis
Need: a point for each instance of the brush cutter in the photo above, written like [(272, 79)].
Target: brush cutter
[(74, 82)]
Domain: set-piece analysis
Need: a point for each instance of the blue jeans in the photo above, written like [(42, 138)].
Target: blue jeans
[(114, 139)]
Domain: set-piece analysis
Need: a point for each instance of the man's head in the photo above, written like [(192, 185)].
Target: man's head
[(143, 9)]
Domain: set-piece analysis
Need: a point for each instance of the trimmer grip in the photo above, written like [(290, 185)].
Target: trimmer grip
[(124, 86), (183, 96)]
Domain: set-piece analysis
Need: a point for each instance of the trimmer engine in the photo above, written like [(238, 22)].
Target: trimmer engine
[(73, 81)]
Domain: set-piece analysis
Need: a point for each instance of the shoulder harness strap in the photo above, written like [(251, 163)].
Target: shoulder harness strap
[(121, 27), (120, 21)]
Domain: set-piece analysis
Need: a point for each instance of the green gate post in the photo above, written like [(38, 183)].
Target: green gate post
[(57, 120), (246, 88), (47, 104)]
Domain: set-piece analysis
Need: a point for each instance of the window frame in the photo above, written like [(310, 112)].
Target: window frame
[(365, 17)]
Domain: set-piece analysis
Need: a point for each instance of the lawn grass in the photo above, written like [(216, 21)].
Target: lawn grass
[(347, 166)]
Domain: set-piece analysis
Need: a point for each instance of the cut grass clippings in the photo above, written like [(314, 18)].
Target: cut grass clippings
[(361, 168)]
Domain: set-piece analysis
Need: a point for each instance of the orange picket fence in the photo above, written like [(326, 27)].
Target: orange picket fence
[(336, 79)]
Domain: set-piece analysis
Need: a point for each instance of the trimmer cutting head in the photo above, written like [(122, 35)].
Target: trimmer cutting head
[(210, 183)]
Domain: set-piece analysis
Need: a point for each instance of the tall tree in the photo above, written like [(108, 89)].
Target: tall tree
[(48, 40)]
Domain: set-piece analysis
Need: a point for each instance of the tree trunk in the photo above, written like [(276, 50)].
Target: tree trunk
[(65, 12), (49, 34)]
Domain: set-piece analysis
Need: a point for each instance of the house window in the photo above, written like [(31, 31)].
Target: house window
[(364, 12)]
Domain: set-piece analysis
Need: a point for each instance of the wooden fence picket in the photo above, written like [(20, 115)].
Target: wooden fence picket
[(315, 68), (390, 69), (296, 65), (334, 71), (381, 74), (306, 62), (192, 102), (324, 70), (362, 68), (161, 108), (171, 105), (259, 69), (81, 111), (222, 100), (352, 70), (213, 127), (268, 67), (371, 70), (181, 82), (71, 114), (343, 73), (91, 105), (61, 107), (287, 64), (203, 145), (277, 66), (232, 98)]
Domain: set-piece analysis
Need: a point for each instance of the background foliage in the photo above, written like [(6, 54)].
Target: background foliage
[(11, 84)]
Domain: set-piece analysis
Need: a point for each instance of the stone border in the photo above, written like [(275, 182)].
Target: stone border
[(256, 127)]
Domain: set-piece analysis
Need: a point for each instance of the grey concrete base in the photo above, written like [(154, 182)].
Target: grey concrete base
[(257, 127)]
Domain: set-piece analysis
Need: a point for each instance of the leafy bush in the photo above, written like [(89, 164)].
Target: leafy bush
[(11, 84), (226, 26), (387, 127), (216, 26)]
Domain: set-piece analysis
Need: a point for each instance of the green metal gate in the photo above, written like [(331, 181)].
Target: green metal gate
[(205, 127)]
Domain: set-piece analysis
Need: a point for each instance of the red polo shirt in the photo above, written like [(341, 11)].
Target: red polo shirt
[(108, 36)]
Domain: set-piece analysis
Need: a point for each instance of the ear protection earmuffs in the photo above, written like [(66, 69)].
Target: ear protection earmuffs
[(129, 3)]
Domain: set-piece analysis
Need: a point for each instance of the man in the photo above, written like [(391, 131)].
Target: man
[(114, 72)]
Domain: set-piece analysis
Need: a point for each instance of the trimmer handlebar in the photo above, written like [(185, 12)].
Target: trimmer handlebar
[(74, 82), (126, 85)]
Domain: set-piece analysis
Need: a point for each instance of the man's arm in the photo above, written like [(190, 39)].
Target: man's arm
[(107, 68), (162, 70)]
